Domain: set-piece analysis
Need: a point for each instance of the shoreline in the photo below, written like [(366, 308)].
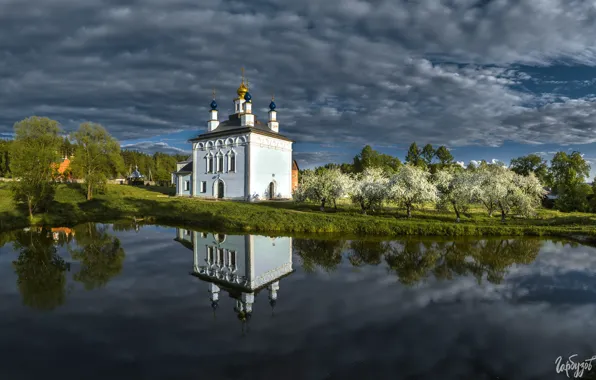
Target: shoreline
[(583, 239), (123, 202)]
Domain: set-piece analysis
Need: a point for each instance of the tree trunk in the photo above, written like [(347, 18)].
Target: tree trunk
[(89, 192), (30, 206), (456, 211), (323, 204), (334, 204), (502, 212), (409, 210)]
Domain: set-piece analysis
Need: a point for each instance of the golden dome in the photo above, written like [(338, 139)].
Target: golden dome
[(242, 90)]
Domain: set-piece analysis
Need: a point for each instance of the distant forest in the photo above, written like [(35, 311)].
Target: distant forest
[(156, 167)]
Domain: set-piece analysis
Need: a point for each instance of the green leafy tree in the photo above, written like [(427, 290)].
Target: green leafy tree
[(5, 158), (164, 164), (100, 254), (568, 173), (593, 197), (370, 158), (532, 163), (144, 161), (346, 168), (97, 156), (67, 148), (428, 153), (414, 156), (33, 155), (444, 156), (41, 273)]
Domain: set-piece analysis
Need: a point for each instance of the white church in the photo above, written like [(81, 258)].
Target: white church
[(240, 158), (240, 265)]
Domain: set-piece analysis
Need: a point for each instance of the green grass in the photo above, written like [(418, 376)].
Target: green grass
[(276, 217)]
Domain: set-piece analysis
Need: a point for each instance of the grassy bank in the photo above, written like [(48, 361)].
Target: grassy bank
[(153, 205)]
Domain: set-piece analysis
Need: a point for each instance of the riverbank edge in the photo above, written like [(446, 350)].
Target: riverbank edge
[(398, 228)]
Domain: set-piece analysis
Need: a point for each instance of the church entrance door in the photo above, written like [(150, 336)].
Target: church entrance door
[(271, 190), (220, 189)]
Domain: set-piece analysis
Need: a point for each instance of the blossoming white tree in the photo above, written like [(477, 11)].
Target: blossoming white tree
[(369, 189), (532, 193), (505, 190), (326, 185), (339, 184), (304, 190), (487, 181), (410, 186), (456, 190)]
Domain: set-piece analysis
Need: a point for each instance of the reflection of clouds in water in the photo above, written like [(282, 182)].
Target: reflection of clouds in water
[(354, 322), (441, 326), (557, 259)]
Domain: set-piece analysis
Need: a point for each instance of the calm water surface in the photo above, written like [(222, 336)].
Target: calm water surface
[(119, 302)]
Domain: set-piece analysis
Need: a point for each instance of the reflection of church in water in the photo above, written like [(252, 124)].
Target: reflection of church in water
[(240, 265)]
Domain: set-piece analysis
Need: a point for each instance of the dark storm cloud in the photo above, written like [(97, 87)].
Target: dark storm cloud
[(342, 71)]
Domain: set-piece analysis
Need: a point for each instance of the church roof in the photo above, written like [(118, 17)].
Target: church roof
[(231, 287), (295, 165), (233, 125), (186, 168), (136, 174)]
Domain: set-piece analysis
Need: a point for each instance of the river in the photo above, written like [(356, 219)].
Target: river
[(129, 301)]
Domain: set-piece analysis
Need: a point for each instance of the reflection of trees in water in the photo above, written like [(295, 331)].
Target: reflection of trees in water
[(366, 252), (126, 226), (41, 276), (410, 261), (7, 237), (413, 261), (100, 254), (325, 254), (41, 272)]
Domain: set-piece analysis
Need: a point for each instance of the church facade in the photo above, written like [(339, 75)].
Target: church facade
[(240, 266), (240, 158)]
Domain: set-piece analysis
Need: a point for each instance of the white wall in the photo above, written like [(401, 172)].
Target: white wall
[(269, 158), (266, 161), (195, 161), (272, 258), (259, 259), (233, 181)]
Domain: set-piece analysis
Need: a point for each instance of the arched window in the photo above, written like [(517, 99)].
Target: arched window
[(231, 161), (219, 238), (210, 256), (232, 258), (220, 162), (209, 163)]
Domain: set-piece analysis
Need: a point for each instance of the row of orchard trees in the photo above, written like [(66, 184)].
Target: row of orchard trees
[(495, 187), (432, 174), (39, 144)]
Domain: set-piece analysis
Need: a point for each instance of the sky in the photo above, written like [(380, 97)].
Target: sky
[(490, 79)]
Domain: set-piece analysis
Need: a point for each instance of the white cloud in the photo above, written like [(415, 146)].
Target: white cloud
[(152, 147)]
